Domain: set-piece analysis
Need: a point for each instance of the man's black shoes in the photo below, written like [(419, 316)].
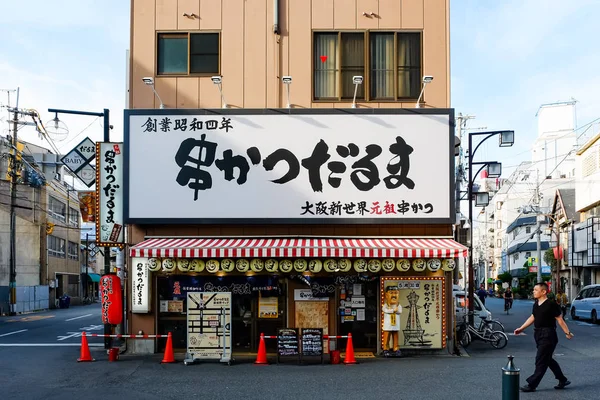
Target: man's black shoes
[(527, 388), (562, 385)]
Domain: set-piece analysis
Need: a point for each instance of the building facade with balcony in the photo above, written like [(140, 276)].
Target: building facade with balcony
[(562, 218), (230, 62), (584, 239)]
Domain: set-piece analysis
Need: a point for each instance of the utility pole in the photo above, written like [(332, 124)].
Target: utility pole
[(539, 225), (461, 122), (485, 256), (12, 285)]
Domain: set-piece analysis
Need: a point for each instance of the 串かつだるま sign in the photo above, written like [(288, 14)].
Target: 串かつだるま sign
[(109, 192), (369, 168), (140, 285)]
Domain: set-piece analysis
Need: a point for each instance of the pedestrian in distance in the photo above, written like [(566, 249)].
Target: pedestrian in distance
[(562, 300), (545, 315), (482, 294), (508, 299)]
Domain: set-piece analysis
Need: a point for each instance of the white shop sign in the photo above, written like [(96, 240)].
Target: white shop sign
[(307, 295), (358, 302), (299, 167), (140, 285)]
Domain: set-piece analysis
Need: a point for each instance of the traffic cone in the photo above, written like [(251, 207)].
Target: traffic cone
[(349, 359), (168, 357), (261, 357), (85, 350)]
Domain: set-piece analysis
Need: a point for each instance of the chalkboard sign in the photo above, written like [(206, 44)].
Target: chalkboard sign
[(287, 343), (312, 342)]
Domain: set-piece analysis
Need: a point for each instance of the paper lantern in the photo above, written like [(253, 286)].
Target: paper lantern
[(112, 303)]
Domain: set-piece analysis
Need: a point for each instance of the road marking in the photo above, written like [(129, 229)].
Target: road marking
[(82, 316), (49, 344), (71, 335), (585, 324), (32, 318), (12, 333), (513, 334)]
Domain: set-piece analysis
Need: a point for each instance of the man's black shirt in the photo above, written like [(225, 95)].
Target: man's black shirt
[(545, 314)]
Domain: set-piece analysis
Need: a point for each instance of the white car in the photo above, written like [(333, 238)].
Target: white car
[(587, 304), (460, 305)]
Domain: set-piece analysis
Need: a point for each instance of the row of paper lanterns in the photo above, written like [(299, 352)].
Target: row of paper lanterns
[(299, 265)]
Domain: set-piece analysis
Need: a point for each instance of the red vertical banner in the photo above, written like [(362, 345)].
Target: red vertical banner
[(112, 303)]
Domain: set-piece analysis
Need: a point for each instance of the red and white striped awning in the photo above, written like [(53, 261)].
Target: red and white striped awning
[(298, 247)]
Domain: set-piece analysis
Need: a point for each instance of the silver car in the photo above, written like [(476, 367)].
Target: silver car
[(587, 304)]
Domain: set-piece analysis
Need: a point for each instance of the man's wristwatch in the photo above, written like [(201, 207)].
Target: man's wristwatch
[(569, 334)]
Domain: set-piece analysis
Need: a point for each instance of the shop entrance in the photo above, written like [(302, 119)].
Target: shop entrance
[(357, 314), (253, 315)]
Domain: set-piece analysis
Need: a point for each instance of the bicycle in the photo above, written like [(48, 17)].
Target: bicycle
[(466, 333), (88, 300), (507, 305), (494, 324)]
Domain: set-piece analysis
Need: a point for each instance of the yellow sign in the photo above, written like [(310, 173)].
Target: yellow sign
[(268, 307), (532, 261), (20, 148), (413, 313)]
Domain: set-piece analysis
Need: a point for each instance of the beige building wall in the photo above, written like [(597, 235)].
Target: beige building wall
[(62, 267), (253, 58), (28, 253)]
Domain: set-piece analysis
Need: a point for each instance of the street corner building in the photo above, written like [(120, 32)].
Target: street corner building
[(329, 216)]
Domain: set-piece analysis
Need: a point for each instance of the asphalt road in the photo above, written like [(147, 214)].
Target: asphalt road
[(50, 372), (56, 328)]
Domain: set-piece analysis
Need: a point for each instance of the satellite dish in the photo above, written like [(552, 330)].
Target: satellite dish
[(57, 129)]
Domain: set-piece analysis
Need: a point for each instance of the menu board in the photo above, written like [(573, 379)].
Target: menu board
[(287, 342), (312, 342)]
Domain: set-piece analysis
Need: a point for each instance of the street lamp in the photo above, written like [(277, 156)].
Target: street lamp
[(357, 80), (426, 79), (218, 80), (287, 81), (482, 199), (150, 82), (107, 127)]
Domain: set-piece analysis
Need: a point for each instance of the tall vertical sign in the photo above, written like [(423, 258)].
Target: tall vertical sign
[(140, 285), (109, 194)]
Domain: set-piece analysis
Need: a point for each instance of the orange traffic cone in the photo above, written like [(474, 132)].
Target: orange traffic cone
[(261, 357), (168, 357), (85, 350), (349, 359)]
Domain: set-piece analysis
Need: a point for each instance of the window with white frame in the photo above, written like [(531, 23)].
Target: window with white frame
[(73, 216), (73, 251), (57, 209), (499, 243), (499, 224), (56, 246)]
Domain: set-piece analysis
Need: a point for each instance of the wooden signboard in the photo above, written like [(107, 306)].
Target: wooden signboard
[(288, 343), (312, 342)]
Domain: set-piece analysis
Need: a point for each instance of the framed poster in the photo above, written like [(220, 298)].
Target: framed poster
[(413, 314)]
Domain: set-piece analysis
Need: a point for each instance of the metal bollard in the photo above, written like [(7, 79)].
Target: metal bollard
[(510, 380)]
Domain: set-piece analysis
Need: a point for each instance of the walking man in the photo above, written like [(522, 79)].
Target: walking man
[(545, 315), (482, 294)]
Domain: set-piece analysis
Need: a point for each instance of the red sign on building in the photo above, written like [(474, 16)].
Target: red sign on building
[(112, 303)]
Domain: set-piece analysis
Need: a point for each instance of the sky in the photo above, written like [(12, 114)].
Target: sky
[(508, 57)]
